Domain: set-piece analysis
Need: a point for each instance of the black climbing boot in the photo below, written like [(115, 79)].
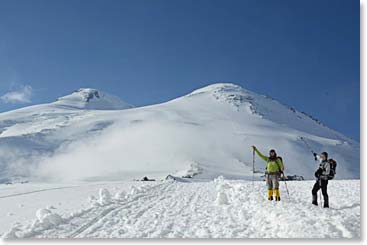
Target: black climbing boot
[(314, 200), (326, 202)]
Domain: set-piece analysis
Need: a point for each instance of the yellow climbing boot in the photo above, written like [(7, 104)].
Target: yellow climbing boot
[(277, 194), (270, 195)]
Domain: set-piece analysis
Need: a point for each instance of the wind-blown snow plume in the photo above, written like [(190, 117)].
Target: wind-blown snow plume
[(89, 136)]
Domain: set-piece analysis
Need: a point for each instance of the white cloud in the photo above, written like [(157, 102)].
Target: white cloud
[(22, 94)]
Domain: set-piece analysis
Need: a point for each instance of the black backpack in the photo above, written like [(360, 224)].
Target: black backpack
[(332, 173)]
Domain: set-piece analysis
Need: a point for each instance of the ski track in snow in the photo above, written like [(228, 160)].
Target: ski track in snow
[(36, 191), (190, 210)]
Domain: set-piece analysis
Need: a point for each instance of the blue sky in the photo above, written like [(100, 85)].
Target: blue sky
[(302, 53)]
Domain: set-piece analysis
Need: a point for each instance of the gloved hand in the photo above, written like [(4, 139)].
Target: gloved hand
[(318, 173), (315, 155), (281, 175)]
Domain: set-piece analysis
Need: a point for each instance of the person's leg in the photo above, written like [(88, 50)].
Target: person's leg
[(276, 187), (324, 184), (315, 189), (269, 184)]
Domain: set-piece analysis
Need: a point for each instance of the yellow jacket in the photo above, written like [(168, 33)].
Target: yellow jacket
[(272, 166)]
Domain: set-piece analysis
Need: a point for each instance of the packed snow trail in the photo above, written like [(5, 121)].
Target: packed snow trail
[(216, 209)]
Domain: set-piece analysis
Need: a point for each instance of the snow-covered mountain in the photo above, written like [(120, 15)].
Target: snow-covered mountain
[(92, 99), (90, 135)]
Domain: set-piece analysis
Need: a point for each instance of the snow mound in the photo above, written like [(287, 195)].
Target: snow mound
[(12, 233), (121, 195), (186, 210), (222, 184), (92, 99), (104, 197), (222, 188), (47, 218), (222, 199)]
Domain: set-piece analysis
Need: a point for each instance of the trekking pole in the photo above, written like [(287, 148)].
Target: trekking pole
[(307, 145), (320, 193), (286, 186), (253, 167)]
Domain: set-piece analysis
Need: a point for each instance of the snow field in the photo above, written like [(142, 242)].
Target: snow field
[(20, 202), (216, 209)]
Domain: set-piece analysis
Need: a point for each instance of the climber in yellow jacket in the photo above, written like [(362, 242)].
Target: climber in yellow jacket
[(274, 169)]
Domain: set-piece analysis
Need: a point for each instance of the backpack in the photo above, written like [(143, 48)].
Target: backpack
[(281, 159), (332, 173)]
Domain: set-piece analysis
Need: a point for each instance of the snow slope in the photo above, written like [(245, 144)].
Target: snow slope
[(92, 99), (204, 134), (173, 209), (81, 152)]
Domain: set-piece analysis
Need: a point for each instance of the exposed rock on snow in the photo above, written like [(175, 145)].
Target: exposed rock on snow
[(171, 178), (193, 170), (228, 93), (92, 99), (202, 135)]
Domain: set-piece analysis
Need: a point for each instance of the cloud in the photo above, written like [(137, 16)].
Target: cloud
[(20, 95)]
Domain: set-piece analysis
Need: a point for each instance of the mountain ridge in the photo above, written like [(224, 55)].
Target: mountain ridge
[(190, 135)]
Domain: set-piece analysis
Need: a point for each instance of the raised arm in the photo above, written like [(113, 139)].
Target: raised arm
[(265, 158)]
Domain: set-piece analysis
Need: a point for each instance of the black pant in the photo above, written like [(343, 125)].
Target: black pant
[(320, 184)]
